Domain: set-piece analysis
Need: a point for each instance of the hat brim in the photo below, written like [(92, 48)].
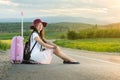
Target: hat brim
[(44, 25), (31, 27)]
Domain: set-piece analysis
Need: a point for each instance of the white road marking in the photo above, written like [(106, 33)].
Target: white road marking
[(95, 59)]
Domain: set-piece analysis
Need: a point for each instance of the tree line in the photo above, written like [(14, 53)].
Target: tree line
[(61, 27), (73, 30), (94, 33)]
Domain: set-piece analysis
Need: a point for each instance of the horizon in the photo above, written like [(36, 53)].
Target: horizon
[(65, 22)]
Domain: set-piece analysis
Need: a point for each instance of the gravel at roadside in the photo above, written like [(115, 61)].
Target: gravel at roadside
[(4, 63)]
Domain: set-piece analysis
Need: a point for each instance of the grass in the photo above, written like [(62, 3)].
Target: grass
[(98, 45), (5, 44), (6, 36)]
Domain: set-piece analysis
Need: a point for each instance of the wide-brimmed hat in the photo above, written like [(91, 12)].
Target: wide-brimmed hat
[(36, 21)]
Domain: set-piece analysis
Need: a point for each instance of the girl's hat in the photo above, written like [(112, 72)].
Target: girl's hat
[(36, 21)]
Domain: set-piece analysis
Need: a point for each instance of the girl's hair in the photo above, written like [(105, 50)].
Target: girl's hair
[(41, 34)]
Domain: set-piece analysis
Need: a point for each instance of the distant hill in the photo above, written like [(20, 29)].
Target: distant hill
[(112, 26), (55, 30), (57, 19), (67, 26), (61, 27)]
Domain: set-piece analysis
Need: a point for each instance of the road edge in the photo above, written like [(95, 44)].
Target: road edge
[(5, 64)]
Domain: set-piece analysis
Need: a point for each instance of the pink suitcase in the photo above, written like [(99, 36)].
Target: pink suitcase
[(16, 51)]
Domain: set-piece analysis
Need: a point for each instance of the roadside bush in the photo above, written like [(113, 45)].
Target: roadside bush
[(94, 33), (63, 36), (72, 35)]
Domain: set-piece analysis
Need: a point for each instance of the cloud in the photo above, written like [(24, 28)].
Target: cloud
[(7, 3), (73, 12), (98, 9)]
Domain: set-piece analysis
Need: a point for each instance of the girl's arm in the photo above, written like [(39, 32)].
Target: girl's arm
[(39, 40), (49, 42)]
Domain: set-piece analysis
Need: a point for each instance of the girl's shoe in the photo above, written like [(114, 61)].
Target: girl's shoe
[(68, 62)]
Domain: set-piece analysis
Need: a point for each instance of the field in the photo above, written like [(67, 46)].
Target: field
[(7, 36), (5, 44), (101, 38), (99, 45)]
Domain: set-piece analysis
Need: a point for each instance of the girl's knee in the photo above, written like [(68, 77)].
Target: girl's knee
[(57, 49)]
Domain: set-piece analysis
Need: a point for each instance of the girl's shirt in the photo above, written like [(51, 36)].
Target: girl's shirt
[(32, 42)]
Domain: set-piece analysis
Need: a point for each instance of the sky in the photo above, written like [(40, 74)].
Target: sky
[(108, 10)]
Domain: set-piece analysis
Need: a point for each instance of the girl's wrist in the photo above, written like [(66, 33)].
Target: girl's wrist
[(54, 47)]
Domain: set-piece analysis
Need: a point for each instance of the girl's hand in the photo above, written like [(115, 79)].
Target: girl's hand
[(54, 47)]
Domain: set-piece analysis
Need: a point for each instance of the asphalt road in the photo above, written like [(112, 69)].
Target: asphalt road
[(94, 66)]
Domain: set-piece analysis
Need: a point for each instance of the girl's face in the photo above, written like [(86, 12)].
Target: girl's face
[(39, 27)]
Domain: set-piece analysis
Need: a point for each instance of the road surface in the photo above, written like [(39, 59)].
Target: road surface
[(94, 66)]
